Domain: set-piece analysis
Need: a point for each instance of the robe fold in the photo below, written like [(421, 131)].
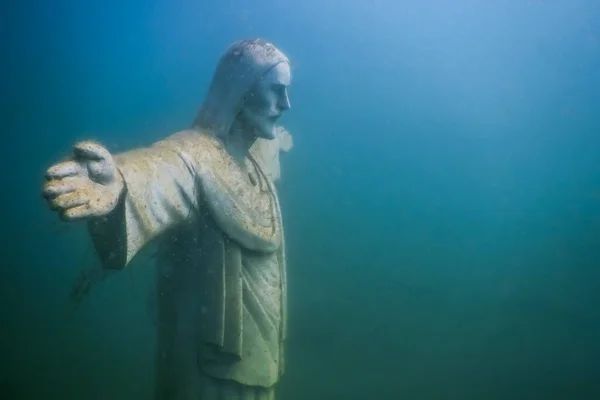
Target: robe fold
[(221, 283)]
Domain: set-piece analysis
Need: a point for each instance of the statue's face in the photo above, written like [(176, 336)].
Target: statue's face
[(268, 100)]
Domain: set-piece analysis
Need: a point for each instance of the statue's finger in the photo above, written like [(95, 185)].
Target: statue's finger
[(63, 170), (91, 151), (68, 201), (56, 188), (75, 213)]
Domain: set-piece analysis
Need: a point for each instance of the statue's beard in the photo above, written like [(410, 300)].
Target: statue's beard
[(266, 131), (263, 126)]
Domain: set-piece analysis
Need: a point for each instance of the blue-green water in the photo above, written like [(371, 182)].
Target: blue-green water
[(442, 199)]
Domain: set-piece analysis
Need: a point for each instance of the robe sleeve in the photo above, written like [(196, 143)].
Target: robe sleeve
[(160, 192)]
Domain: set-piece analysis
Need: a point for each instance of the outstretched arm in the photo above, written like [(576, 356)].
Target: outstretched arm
[(131, 198)]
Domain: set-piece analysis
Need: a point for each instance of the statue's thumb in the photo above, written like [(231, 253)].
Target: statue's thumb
[(98, 171), (91, 151)]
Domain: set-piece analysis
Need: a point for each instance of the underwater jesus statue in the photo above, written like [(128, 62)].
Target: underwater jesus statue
[(206, 195)]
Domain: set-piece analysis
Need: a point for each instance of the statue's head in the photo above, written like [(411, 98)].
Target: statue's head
[(250, 84)]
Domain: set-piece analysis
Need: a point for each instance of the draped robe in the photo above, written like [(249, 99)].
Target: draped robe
[(221, 283)]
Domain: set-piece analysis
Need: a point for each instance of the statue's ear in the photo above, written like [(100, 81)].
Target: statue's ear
[(285, 139)]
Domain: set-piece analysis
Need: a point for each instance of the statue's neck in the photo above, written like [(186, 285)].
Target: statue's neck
[(239, 141)]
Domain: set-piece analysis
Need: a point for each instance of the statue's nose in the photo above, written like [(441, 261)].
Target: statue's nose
[(284, 103)]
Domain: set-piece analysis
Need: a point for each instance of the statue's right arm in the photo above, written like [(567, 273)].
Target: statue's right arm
[(127, 199)]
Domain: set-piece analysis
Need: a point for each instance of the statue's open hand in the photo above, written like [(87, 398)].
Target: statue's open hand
[(88, 185)]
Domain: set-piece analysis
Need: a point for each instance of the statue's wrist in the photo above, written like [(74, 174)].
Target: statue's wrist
[(120, 183), (121, 190)]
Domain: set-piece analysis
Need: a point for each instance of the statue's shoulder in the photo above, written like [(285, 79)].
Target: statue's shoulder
[(198, 145), (201, 150), (190, 139)]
